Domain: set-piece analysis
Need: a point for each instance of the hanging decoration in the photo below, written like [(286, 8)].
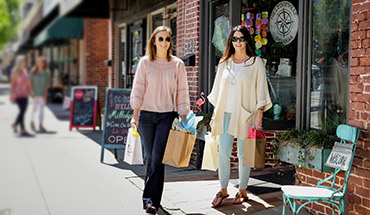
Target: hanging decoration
[(257, 28)]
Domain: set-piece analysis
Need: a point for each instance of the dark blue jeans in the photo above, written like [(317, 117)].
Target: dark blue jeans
[(22, 105), (154, 129)]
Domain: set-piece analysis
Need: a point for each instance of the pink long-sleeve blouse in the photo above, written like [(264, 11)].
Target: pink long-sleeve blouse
[(161, 86)]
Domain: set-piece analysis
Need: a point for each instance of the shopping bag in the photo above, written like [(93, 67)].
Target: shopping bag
[(178, 149), (133, 151), (210, 154), (254, 149)]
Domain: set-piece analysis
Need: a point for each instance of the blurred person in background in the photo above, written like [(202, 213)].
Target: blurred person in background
[(20, 89), (40, 81), (9, 68)]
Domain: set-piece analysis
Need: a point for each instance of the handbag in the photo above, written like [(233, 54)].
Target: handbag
[(178, 149), (211, 152), (254, 149), (133, 151)]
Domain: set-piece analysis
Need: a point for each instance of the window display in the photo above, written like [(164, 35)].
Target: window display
[(274, 26)]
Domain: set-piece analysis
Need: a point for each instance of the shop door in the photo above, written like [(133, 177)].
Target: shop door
[(136, 50)]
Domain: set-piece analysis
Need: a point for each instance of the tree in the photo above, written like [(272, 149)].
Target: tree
[(9, 20)]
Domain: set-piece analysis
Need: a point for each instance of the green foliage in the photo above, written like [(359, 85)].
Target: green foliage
[(306, 141), (205, 122), (9, 20)]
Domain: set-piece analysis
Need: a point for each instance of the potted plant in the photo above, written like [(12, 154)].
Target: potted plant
[(308, 148)]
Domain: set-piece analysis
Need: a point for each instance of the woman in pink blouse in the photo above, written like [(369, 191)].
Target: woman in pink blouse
[(20, 89), (160, 92)]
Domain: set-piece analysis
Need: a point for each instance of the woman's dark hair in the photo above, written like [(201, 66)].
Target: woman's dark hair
[(230, 50)]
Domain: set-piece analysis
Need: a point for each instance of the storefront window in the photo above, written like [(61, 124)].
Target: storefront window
[(274, 26), (329, 74), (136, 53), (172, 23), (157, 20), (218, 34), (122, 54)]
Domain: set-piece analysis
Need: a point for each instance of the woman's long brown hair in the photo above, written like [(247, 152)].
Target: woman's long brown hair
[(230, 50), (151, 49)]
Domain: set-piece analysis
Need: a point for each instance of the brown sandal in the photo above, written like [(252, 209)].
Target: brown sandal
[(218, 199), (239, 198)]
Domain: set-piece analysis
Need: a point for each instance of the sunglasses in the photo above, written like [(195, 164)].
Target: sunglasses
[(235, 39), (168, 39)]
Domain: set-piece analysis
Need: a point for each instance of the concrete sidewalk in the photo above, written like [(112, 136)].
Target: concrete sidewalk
[(59, 173)]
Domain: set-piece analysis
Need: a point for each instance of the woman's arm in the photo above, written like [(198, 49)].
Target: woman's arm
[(183, 100), (12, 82), (258, 120), (137, 93)]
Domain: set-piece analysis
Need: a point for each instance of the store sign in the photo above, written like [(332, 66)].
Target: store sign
[(48, 6), (340, 156), (284, 22), (67, 5)]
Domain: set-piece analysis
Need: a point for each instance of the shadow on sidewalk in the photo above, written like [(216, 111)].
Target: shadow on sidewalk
[(59, 112), (284, 176)]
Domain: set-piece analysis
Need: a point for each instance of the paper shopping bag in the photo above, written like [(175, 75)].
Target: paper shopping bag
[(254, 150), (178, 149), (133, 151), (210, 154)]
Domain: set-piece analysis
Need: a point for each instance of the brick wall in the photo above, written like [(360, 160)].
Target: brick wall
[(359, 183), (359, 116), (188, 41), (96, 51)]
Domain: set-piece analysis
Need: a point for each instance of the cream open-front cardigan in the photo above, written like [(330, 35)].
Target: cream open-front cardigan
[(251, 93)]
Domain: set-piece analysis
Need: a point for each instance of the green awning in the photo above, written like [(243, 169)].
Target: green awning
[(62, 28)]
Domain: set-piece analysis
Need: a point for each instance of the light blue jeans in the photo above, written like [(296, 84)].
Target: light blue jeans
[(226, 147)]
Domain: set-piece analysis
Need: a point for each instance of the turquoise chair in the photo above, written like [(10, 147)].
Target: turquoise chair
[(321, 193)]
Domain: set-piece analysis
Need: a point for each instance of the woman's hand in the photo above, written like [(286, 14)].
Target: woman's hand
[(135, 118), (258, 121), (134, 121)]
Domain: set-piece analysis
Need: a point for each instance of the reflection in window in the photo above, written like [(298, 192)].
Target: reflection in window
[(329, 73)]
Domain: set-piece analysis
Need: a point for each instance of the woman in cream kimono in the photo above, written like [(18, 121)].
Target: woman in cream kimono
[(240, 96)]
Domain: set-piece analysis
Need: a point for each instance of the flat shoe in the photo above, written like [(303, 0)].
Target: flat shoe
[(14, 126), (218, 199), (151, 210), (239, 198)]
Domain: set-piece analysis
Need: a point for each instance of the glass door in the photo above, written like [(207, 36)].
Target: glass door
[(219, 27)]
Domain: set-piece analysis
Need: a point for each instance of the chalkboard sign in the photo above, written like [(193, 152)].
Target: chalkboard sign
[(83, 107), (117, 117)]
